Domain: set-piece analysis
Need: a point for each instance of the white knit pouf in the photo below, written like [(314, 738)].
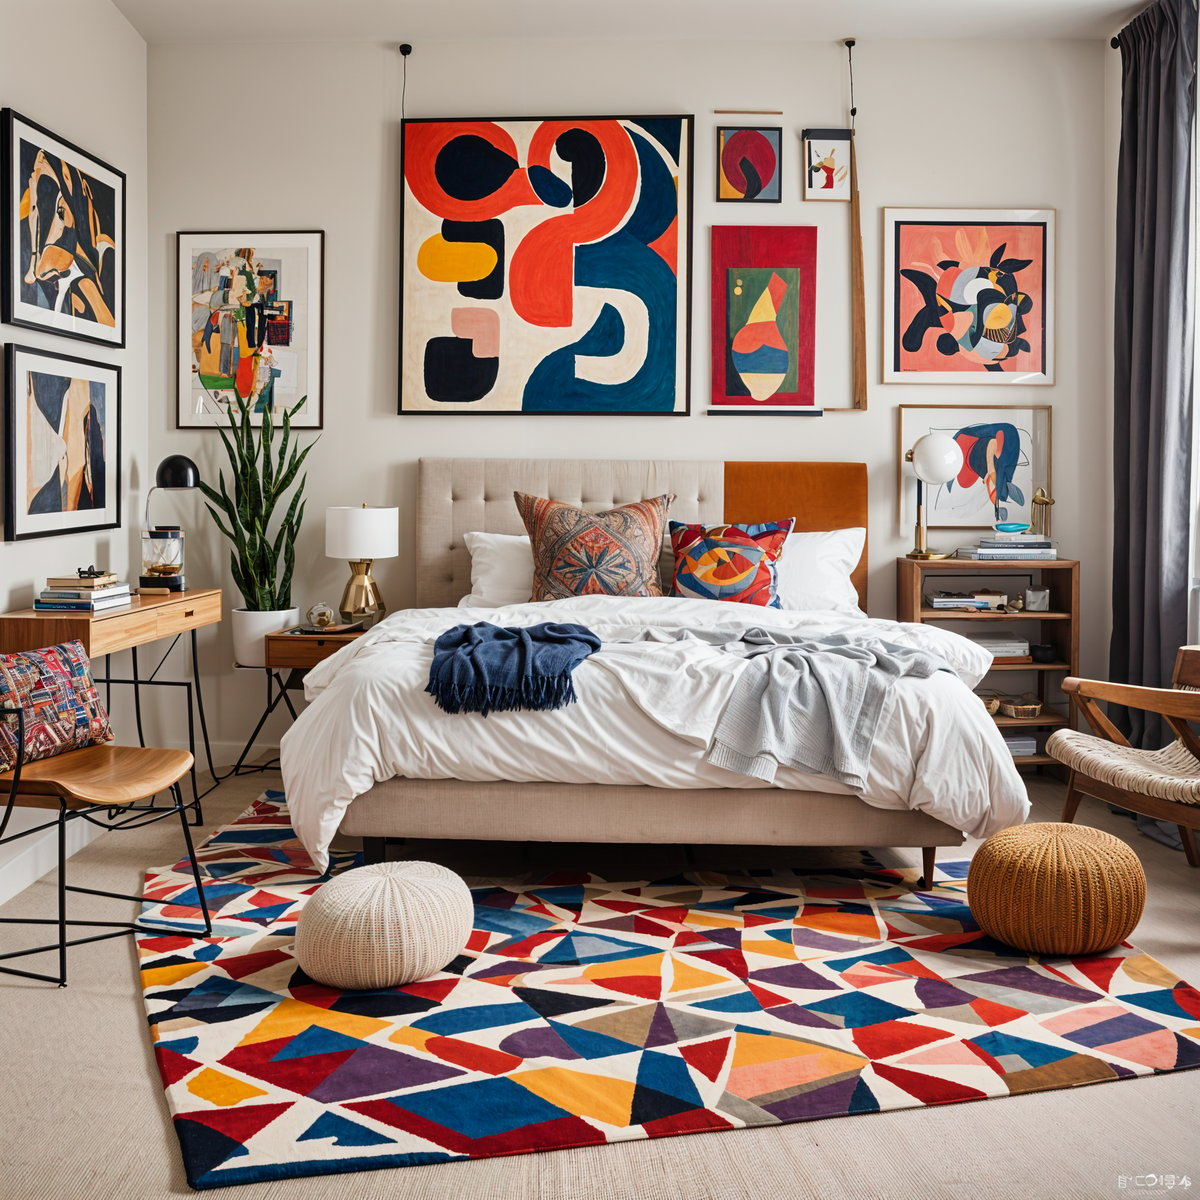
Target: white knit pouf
[(384, 925)]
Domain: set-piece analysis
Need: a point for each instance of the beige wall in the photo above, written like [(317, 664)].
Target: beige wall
[(306, 136)]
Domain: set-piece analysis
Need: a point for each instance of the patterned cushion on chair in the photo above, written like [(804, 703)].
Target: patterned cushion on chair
[(63, 710), (578, 553), (729, 562)]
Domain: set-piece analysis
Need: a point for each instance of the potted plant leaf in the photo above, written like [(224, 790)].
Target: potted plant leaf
[(261, 560)]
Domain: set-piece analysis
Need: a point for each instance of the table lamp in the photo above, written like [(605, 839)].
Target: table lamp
[(362, 535), (936, 459), (162, 545)]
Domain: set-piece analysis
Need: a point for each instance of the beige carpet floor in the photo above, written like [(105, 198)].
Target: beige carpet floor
[(82, 1112)]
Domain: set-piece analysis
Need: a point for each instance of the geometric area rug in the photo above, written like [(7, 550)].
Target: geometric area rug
[(584, 1012)]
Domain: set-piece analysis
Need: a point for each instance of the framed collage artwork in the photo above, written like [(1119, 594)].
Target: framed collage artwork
[(968, 296), (1006, 457), (62, 444), (546, 265), (250, 326), (63, 216)]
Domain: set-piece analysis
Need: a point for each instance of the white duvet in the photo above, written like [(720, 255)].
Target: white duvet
[(645, 714)]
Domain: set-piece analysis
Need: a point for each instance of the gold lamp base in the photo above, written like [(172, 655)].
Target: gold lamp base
[(362, 600)]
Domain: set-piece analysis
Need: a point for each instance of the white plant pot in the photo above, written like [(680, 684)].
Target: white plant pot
[(249, 629)]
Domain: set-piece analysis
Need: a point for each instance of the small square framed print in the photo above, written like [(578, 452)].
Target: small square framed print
[(749, 163)]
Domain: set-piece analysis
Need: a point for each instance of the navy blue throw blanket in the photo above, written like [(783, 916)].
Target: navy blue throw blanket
[(486, 668)]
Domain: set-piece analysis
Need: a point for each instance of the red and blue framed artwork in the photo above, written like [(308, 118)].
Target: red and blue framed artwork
[(749, 164), (764, 292), (545, 265)]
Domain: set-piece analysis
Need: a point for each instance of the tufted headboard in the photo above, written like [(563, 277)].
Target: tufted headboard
[(458, 495)]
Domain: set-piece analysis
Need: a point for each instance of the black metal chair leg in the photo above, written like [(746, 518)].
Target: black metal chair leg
[(187, 837), (62, 895)]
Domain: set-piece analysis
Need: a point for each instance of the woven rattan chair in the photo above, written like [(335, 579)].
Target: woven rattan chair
[(1162, 784), (113, 787)]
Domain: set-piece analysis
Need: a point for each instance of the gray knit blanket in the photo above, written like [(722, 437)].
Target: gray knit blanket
[(814, 704)]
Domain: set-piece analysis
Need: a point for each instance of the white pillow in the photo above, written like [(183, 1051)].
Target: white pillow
[(813, 572), (501, 569)]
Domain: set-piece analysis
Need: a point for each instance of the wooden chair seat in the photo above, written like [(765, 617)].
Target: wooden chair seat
[(108, 776)]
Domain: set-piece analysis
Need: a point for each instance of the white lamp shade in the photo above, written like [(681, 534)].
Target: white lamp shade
[(936, 458), (356, 533)]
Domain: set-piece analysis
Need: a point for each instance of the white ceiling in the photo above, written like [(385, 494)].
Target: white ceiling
[(161, 21)]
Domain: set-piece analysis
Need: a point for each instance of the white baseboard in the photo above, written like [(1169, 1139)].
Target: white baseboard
[(26, 861)]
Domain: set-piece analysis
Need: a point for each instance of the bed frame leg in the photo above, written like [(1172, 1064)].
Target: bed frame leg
[(928, 857), (374, 850)]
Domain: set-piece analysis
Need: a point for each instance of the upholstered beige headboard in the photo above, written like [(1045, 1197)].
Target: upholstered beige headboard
[(458, 495)]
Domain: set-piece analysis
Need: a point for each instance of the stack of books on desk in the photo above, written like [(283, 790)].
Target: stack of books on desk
[(1017, 547), (68, 593)]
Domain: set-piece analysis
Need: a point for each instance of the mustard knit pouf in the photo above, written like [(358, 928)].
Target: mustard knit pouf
[(384, 925), (1051, 888)]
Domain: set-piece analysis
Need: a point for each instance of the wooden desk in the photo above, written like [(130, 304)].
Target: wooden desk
[(146, 619)]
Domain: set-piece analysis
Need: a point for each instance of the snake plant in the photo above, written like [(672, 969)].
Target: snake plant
[(262, 473)]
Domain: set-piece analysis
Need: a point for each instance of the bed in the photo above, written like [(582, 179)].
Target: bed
[(339, 759)]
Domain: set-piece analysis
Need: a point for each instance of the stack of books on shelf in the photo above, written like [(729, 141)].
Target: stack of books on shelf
[(69, 593), (1020, 745), (1015, 547), (980, 601), (1005, 650)]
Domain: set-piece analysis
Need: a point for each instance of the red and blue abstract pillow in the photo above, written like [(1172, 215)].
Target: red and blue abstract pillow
[(63, 710), (729, 562)]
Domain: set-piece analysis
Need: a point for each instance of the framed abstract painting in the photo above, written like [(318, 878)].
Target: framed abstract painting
[(968, 295), (764, 294), (1006, 457), (63, 217), (249, 326), (546, 265), (749, 163), (62, 444), (827, 164)]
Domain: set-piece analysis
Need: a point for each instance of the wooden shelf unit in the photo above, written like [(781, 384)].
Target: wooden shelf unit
[(1059, 627)]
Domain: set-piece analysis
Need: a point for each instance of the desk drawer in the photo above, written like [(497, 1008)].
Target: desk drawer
[(110, 635), (182, 615)]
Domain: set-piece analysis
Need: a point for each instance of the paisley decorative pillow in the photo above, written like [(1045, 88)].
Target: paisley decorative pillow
[(578, 553), (729, 562), (63, 710)]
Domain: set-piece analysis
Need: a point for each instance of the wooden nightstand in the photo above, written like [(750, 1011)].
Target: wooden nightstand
[(296, 653), (1057, 626)]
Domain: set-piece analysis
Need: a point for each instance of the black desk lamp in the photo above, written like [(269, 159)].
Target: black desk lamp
[(162, 545)]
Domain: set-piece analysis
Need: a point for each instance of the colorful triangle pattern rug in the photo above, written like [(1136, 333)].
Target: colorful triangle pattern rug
[(583, 1012)]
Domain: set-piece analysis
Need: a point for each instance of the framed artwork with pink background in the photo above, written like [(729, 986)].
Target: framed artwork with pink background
[(968, 295)]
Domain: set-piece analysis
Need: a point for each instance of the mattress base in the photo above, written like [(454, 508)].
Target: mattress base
[(563, 812)]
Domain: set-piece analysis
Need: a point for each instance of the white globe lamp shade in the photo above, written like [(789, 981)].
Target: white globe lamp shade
[(936, 458)]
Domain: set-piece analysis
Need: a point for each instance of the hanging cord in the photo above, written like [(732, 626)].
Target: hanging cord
[(405, 50), (850, 61)]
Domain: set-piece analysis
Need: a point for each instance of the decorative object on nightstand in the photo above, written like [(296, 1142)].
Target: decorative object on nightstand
[(320, 615), (1052, 888), (1041, 512), (162, 545), (362, 535), (262, 558), (384, 925), (1048, 639), (936, 459)]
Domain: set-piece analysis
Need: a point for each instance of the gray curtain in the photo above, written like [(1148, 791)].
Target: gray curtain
[(1152, 350)]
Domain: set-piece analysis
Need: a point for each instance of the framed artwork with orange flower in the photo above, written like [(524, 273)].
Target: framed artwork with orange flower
[(968, 295)]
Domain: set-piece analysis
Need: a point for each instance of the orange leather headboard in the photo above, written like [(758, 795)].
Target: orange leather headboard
[(820, 495)]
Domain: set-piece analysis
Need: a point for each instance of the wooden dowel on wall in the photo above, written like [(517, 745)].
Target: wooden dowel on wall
[(858, 298)]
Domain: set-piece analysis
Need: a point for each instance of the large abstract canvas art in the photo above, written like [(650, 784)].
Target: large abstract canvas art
[(968, 296), (249, 327), (62, 444), (546, 265), (764, 290), (63, 216), (1006, 456)]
